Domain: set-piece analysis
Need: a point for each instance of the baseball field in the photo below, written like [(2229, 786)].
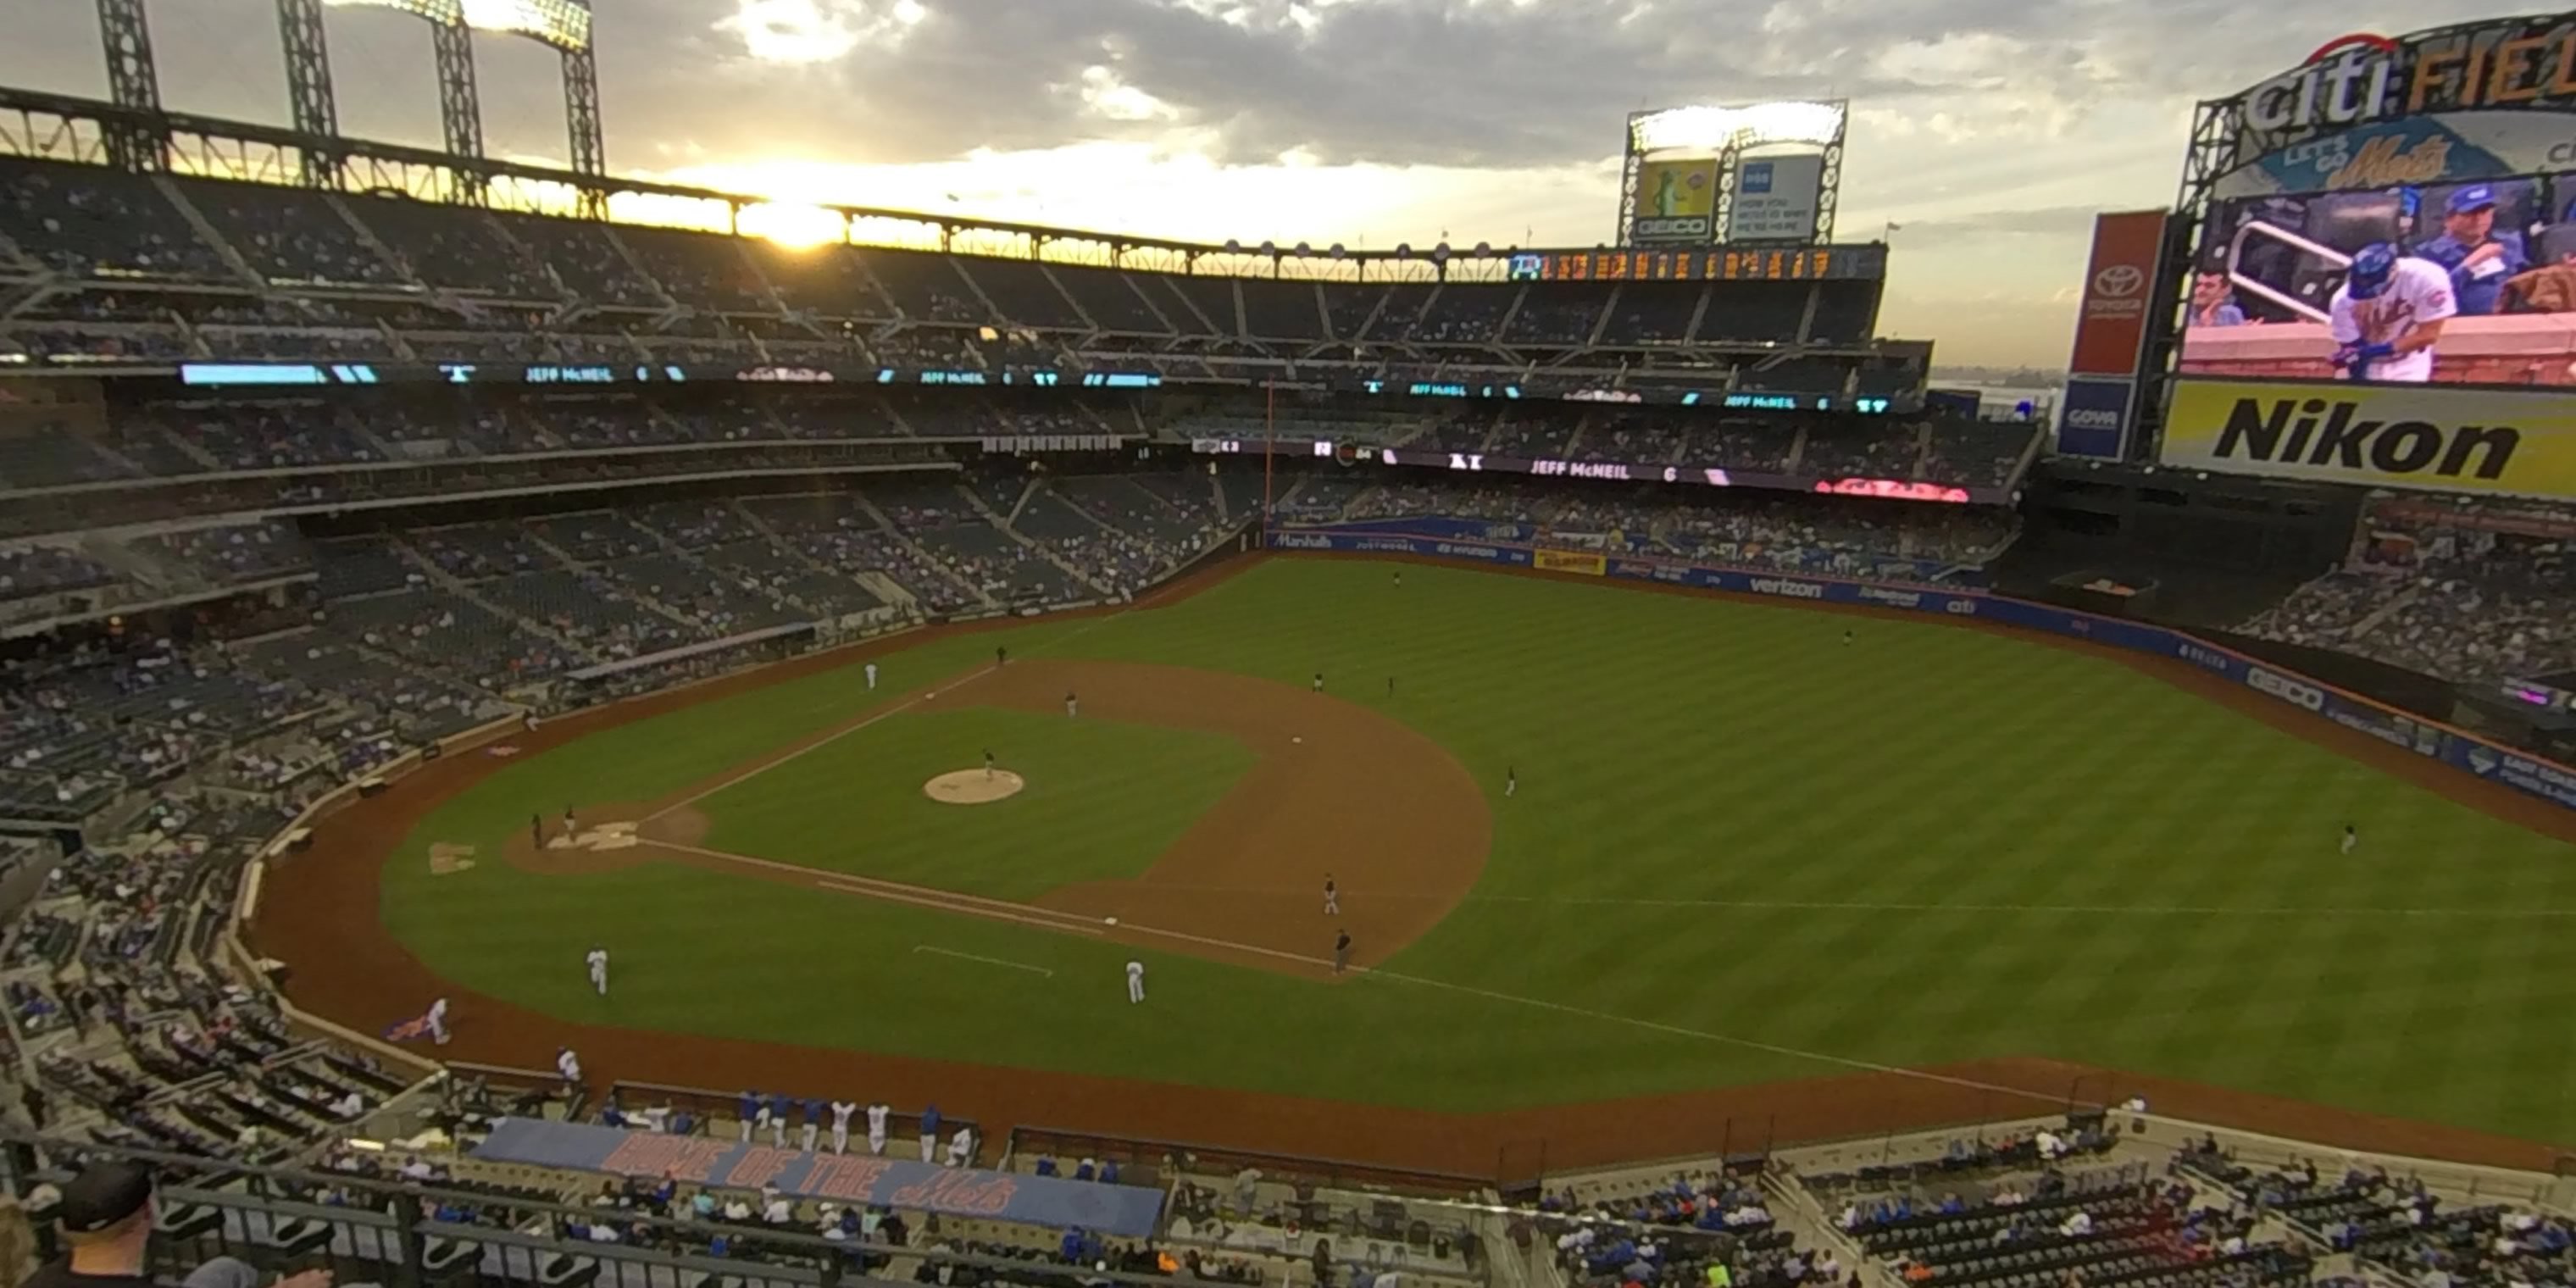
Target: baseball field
[(1749, 846)]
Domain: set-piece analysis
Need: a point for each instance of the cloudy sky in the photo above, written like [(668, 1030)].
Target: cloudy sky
[(1991, 130)]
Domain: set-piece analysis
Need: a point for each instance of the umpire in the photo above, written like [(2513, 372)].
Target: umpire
[(1341, 951)]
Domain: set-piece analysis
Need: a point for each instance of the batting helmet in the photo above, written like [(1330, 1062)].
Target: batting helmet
[(2371, 270)]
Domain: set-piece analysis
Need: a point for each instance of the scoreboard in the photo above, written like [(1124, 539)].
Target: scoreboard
[(1704, 264)]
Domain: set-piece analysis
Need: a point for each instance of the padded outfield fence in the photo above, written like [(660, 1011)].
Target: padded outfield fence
[(1464, 541)]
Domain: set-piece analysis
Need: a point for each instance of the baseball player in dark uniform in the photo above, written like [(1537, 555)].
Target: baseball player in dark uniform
[(1341, 952)]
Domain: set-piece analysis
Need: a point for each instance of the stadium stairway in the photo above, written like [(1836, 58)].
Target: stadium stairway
[(169, 189), (1037, 548), (903, 538)]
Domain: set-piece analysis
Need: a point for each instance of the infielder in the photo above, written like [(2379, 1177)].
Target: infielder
[(569, 1065), (2388, 315), (1332, 897), (988, 762), (1319, 681), (841, 1111), (571, 824), (2351, 838), (598, 960), (1070, 706), (1135, 981), (872, 677), (438, 1021), (813, 1125), (877, 1127)]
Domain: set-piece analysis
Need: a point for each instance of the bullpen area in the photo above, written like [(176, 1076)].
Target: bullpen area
[(1622, 874)]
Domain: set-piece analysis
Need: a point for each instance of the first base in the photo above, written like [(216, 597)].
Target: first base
[(1111, 920)]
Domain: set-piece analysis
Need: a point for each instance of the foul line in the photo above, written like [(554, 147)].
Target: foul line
[(1076, 923), (897, 709), (989, 961), (897, 892), (1804, 905)]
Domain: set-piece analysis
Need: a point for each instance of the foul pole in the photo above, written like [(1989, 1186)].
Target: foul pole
[(1269, 439)]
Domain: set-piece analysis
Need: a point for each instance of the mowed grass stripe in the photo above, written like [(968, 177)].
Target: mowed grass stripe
[(1700, 749)]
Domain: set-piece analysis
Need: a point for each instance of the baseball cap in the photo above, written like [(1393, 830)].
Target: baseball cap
[(103, 1195), (2476, 196), (2371, 269)]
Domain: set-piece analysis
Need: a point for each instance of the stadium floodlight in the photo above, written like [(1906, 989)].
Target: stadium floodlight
[(442, 11), (564, 24), (1718, 129)]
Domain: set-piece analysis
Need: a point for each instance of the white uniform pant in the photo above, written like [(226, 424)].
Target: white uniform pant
[(1135, 988)]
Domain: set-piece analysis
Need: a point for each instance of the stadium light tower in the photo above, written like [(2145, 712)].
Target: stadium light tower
[(133, 83), (460, 102), (312, 106), (564, 26)]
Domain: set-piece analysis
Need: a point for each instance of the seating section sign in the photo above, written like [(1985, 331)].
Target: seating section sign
[(1126, 1211)]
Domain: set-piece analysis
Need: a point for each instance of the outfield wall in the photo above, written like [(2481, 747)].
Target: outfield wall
[(2543, 779)]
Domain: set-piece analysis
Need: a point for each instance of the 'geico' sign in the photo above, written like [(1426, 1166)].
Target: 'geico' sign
[(1671, 228), (2297, 693)]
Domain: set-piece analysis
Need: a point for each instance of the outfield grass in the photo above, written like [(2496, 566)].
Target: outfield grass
[(1932, 844), (1103, 799)]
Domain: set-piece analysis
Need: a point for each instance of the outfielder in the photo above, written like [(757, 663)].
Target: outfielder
[(598, 960), (1135, 981), (872, 677), (1332, 897), (2351, 838), (841, 1111), (877, 1127), (2388, 315), (1511, 781)]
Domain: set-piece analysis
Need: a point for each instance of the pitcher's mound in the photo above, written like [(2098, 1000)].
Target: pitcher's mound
[(973, 787)]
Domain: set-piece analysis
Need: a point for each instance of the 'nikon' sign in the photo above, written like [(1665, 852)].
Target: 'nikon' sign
[(2409, 436)]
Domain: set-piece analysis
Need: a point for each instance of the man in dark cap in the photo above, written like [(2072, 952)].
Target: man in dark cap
[(106, 1217)]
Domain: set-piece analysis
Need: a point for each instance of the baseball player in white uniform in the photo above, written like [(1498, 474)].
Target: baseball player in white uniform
[(1332, 897), (2388, 315), (841, 1111), (872, 677), (598, 960), (1135, 981), (438, 1021), (1072, 707), (569, 1065), (2351, 838), (877, 1127), (961, 1147)]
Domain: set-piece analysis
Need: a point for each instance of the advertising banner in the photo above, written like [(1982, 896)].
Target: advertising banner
[(1126, 1211), (1776, 198), (2093, 419), (2494, 762), (2476, 100), (1676, 202), (2507, 443), (2119, 285), (1575, 561)]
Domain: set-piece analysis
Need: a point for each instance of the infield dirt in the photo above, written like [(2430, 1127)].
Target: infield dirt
[(321, 914)]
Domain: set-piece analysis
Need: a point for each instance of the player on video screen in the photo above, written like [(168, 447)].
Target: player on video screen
[(2478, 255), (2388, 314)]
